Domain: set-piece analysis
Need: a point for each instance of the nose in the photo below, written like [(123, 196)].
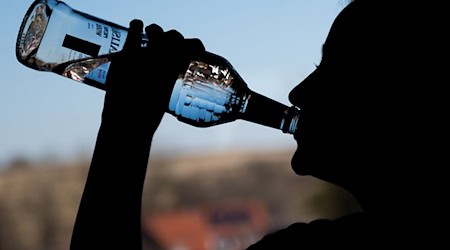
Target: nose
[(297, 94)]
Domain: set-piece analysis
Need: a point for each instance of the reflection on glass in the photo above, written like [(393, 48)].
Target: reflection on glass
[(95, 68), (29, 41), (206, 95)]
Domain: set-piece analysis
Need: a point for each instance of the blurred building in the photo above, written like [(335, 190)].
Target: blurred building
[(226, 225)]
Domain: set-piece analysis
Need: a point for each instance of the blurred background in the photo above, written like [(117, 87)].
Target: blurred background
[(222, 187)]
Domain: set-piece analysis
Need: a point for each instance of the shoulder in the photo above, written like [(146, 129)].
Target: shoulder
[(347, 231)]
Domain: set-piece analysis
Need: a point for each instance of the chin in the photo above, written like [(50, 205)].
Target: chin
[(296, 158), (296, 162)]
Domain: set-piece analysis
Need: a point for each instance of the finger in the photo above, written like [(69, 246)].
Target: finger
[(172, 41), (188, 50), (134, 37), (154, 33), (136, 25), (173, 35), (193, 46)]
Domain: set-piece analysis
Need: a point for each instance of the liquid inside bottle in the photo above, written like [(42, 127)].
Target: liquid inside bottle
[(56, 38)]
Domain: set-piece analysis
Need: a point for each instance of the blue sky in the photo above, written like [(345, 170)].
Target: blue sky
[(272, 44)]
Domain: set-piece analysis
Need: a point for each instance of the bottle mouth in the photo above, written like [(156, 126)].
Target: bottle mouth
[(289, 124)]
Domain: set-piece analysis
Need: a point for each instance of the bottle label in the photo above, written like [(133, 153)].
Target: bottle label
[(80, 45), (72, 37)]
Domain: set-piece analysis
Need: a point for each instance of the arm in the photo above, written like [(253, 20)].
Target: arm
[(139, 87)]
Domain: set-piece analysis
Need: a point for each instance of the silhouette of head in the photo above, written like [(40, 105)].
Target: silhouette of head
[(354, 130)]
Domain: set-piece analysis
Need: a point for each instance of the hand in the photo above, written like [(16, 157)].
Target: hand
[(141, 78)]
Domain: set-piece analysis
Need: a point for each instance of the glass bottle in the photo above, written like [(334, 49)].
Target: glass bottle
[(54, 37)]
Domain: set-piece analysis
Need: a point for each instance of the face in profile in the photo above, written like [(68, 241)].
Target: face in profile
[(335, 100)]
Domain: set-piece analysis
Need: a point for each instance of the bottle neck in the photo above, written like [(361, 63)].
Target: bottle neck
[(289, 124), (268, 112)]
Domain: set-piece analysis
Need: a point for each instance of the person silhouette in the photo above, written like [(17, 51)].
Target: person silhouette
[(366, 125)]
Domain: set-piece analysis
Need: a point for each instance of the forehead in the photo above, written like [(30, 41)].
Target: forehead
[(346, 32), (349, 31)]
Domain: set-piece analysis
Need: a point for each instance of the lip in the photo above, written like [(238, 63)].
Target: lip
[(295, 161), (296, 136)]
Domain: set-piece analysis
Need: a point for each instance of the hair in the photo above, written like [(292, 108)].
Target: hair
[(344, 3)]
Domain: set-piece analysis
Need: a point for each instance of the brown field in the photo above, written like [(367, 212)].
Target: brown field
[(38, 202)]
